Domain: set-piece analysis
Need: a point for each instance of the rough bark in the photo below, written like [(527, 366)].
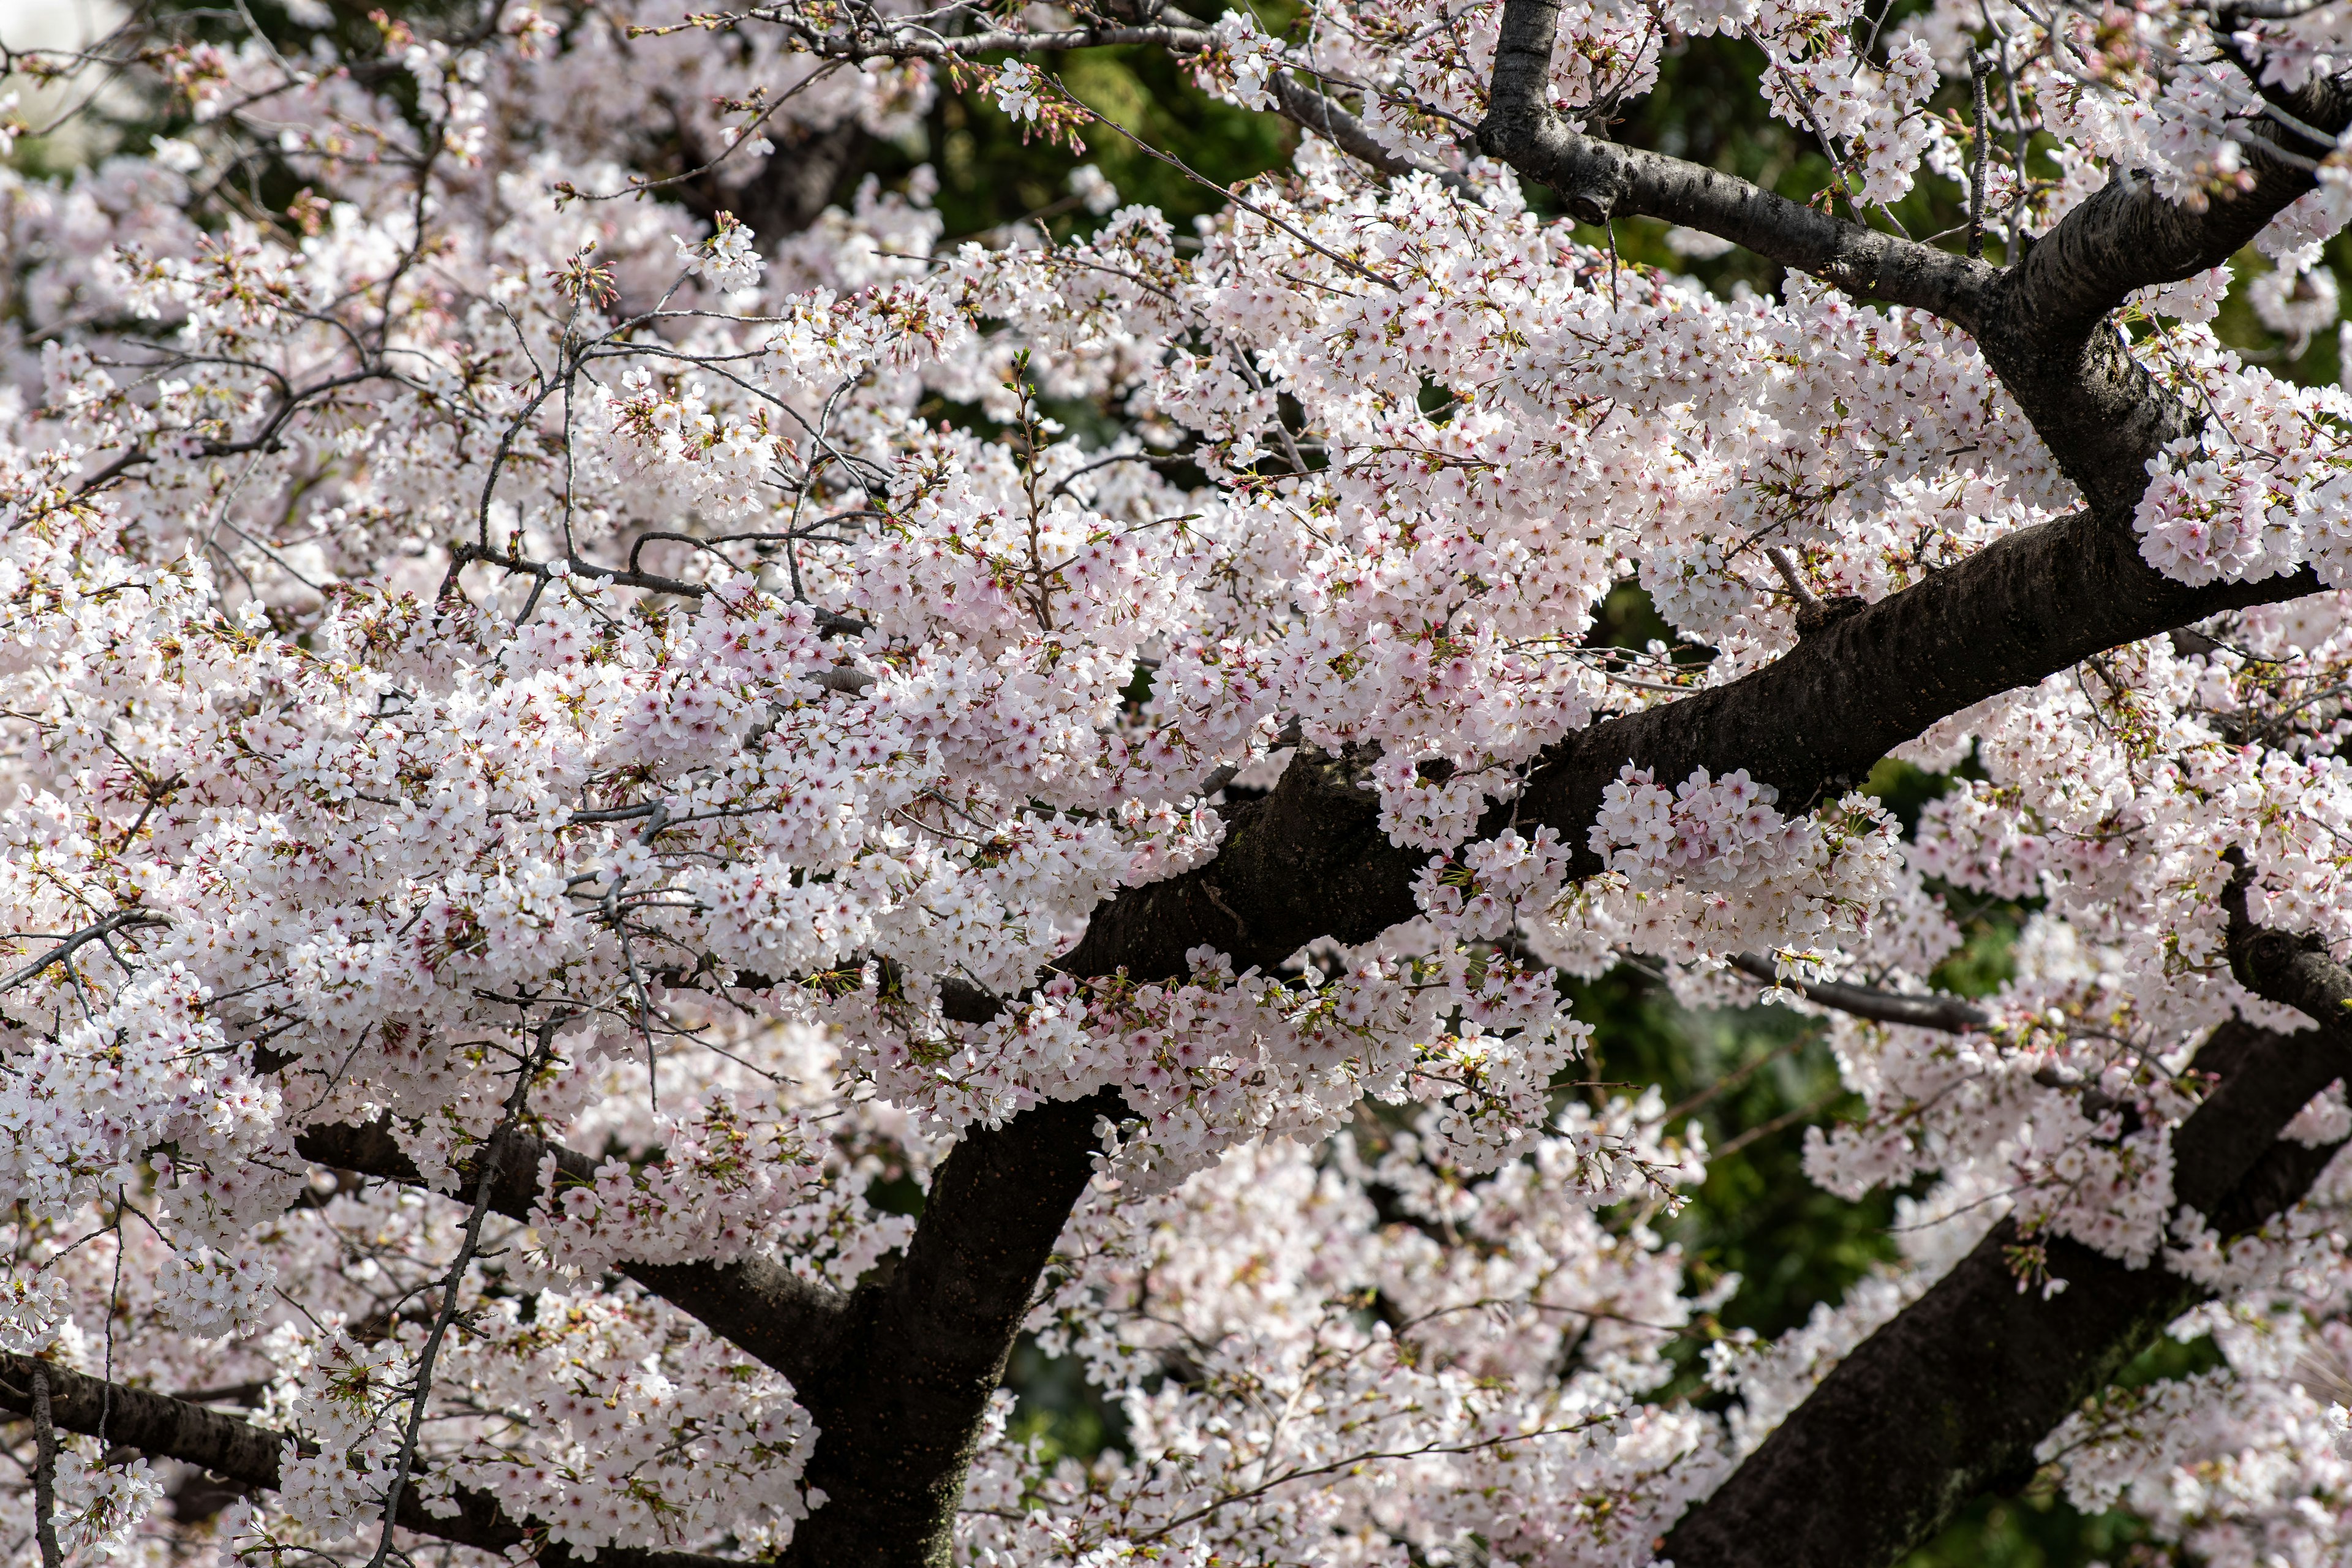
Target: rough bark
[(1954, 1394), (898, 1374), (1951, 1396), (1600, 179), (770, 1313), (248, 1455), (929, 1339)]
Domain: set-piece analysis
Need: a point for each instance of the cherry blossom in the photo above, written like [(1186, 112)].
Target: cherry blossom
[(553, 793)]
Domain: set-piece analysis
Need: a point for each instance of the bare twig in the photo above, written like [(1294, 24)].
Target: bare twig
[(484, 1186), (1786, 1119), (120, 920)]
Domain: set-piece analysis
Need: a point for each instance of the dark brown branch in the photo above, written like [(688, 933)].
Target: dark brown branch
[(165, 1429), (901, 1414), (463, 556), (755, 1302), (2241, 11), (154, 1424), (1314, 110), (2041, 322), (1949, 1013), (1600, 179), (1813, 723), (1310, 861), (2128, 237), (1951, 1396), (792, 187)]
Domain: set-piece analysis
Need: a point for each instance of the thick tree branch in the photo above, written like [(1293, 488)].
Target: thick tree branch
[(2041, 322), (45, 1471), (931, 1339), (793, 188), (1310, 860), (163, 1427), (1314, 109), (2126, 236), (1600, 179), (897, 1375), (906, 43), (1952, 1395), (1816, 722), (760, 1306)]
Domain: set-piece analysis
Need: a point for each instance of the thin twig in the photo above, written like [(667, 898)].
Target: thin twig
[(1803, 1113), (1734, 1079), (493, 1149)]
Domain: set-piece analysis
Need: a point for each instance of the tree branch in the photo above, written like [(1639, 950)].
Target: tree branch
[(45, 1470), (1952, 1395), (1314, 110), (1816, 720), (2039, 321), (903, 1409), (166, 1428), (898, 1375), (756, 1303), (1308, 861), (1600, 179), (2043, 325), (900, 1400), (2126, 236), (1949, 1013)]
